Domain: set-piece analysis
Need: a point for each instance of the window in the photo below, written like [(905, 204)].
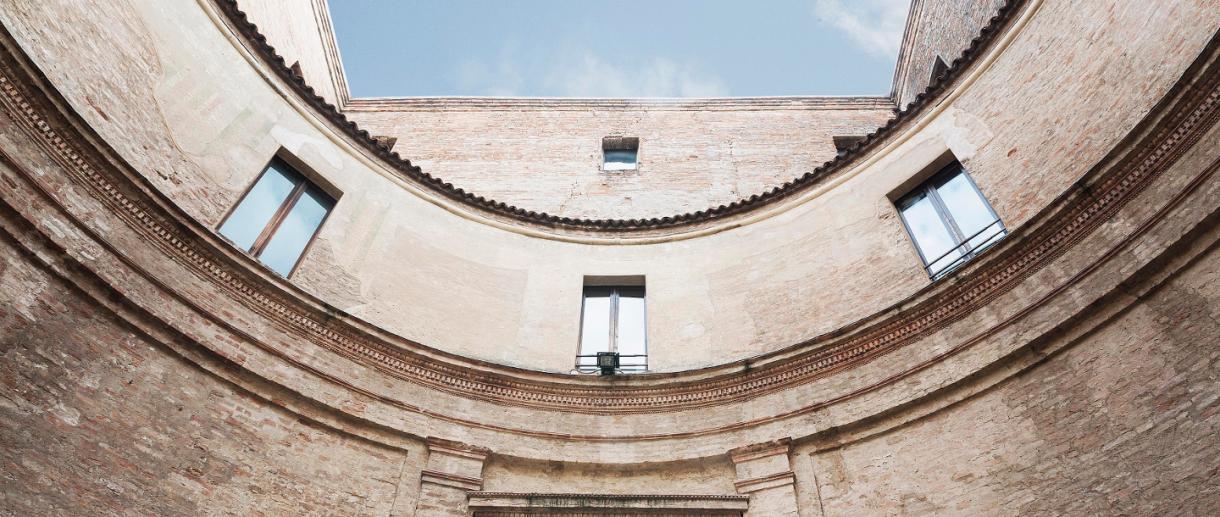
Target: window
[(620, 153), (278, 217), (613, 320), (949, 220)]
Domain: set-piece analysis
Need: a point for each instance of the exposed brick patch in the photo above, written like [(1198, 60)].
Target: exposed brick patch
[(97, 420)]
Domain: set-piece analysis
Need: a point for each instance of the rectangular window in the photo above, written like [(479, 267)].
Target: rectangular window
[(620, 153), (278, 217), (949, 220), (613, 319)]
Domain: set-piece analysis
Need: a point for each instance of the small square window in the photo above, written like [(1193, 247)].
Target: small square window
[(278, 217), (620, 153)]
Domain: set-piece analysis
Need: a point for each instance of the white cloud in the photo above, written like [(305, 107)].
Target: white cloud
[(875, 25), (590, 75), (500, 79), (583, 73)]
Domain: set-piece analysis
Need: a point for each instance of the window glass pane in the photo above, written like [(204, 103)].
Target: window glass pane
[(930, 234), (255, 210), (968, 208), (632, 328), (295, 232), (595, 327), (619, 160)]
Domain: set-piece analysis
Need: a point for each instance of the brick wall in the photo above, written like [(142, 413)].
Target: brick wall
[(1124, 422), (937, 28), (546, 155), (97, 420)]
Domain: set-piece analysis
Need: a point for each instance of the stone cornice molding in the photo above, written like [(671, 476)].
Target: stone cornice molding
[(760, 450), (447, 104), (651, 502), (762, 466), (457, 448), (330, 46), (902, 67), (450, 480), (778, 479), (844, 161), (1192, 109)]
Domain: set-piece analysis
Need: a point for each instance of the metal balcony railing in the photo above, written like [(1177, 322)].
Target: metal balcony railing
[(627, 363), (992, 231)]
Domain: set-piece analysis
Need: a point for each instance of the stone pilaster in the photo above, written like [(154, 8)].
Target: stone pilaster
[(452, 470), (764, 472)]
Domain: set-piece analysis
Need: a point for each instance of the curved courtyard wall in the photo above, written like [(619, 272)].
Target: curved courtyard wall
[(182, 103), (152, 368)]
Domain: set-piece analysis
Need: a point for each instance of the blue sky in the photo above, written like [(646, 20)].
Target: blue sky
[(624, 48)]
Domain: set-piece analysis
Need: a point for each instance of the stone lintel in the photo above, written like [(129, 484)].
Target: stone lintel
[(451, 480), (693, 504)]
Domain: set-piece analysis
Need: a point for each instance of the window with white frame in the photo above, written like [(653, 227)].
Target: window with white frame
[(613, 320), (949, 220)]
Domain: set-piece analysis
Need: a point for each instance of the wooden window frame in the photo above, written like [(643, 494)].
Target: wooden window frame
[(301, 184)]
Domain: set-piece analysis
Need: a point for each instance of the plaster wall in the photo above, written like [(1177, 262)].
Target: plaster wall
[(302, 33), (134, 382), (183, 103)]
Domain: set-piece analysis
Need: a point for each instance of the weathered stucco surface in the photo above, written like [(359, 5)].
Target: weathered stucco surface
[(415, 360), (193, 116), (1124, 422)]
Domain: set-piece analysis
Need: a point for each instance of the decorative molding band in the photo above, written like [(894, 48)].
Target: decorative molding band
[(649, 497), (451, 480), (760, 450), (505, 501), (535, 512), (258, 43), (445, 104), (452, 448), (1190, 110), (778, 479), (330, 46)]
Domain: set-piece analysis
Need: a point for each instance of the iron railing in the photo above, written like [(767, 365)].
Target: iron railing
[(967, 252), (588, 364)]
